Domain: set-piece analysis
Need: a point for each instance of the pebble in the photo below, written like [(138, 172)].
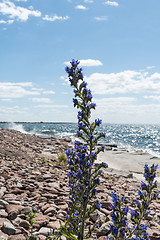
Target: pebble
[(8, 228)]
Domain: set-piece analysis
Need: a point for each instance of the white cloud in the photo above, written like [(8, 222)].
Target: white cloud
[(15, 90), (124, 82), (102, 18), (150, 67), (51, 106), (21, 0), (111, 3), (15, 12), (41, 100), (54, 18), (37, 89), (126, 110), (6, 21), (88, 1), (6, 100), (81, 7), (88, 63), (49, 92), (157, 98)]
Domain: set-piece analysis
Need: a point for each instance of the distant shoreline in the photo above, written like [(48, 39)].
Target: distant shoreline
[(39, 122)]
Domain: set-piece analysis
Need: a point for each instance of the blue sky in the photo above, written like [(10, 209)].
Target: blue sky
[(116, 41)]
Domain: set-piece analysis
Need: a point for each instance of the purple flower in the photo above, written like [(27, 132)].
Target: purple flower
[(83, 84), (89, 96), (80, 125), (156, 167), (91, 137), (80, 75), (97, 180), (143, 185), (140, 193), (98, 121), (133, 213), (79, 134), (94, 190), (104, 165), (93, 155), (85, 90), (100, 171), (74, 63), (75, 101), (137, 203), (114, 197), (98, 204), (126, 209), (146, 168), (114, 230), (85, 197), (112, 207)]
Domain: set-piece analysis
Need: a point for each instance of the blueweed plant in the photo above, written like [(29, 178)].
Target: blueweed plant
[(122, 227), (83, 176)]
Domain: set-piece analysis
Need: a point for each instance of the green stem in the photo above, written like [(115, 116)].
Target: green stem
[(83, 221)]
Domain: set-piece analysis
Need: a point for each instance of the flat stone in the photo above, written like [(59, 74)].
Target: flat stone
[(104, 229), (53, 185), (50, 211), (3, 213), (2, 220), (41, 220), (8, 228), (25, 224), (98, 217), (45, 231), (26, 210), (13, 211), (54, 225), (3, 203)]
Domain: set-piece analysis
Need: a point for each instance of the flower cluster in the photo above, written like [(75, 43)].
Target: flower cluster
[(83, 176), (135, 229)]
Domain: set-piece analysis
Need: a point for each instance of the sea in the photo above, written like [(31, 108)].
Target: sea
[(127, 137)]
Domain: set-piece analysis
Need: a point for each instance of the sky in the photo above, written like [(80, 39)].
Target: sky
[(117, 43)]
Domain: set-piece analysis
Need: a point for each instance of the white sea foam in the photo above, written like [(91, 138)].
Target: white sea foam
[(17, 127)]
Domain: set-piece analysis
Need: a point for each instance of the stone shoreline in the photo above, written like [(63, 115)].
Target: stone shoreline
[(33, 179)]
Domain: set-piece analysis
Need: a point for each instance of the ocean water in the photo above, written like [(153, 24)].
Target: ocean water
[(129, 137)]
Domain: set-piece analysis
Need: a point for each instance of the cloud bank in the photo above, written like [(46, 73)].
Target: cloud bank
[(112, 3), (54, 18), (124, 82), (15, 12)]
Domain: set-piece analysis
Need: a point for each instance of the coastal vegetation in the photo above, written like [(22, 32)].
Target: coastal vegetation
[(84, 176)]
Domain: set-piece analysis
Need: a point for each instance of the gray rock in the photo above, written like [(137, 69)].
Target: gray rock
[(3, 203), (26, 210), (3, 213), (98, 217), (104, 229), (45, 231), (8, 228), (53, 184), (50, 211)]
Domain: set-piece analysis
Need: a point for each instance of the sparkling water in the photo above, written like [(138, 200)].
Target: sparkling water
[(129, 137)]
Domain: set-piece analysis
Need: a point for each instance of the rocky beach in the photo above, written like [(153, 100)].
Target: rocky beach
[(33, 178)]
